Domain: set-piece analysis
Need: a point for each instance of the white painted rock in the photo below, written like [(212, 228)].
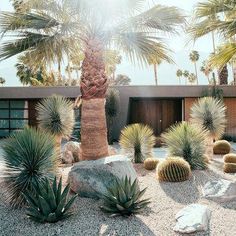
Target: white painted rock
[(220, 190), (91, 178), (192, 218), (67, 157), (74, 148)]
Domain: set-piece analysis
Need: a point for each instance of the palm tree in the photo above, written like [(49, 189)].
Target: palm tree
[(55, 28), (216, 16), (179, 74), (2, 81), (192, 78), (223, 75), (155, 64), (206, 70), (194, 57), (120, 80), (186, 75)]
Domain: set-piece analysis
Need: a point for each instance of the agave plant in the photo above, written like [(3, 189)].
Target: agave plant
[(209, 113), (49, 203), (187, 141), (138, 139), (124, 198), (29, 157), (56, 115)]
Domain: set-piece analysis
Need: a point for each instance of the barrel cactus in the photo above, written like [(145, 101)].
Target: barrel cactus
[(174, 169), (230, 167), (221, 147), (230, 158), (150, 163)]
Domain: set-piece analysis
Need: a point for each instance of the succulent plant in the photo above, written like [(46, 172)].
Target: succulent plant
[(230, 167), (173, 169), (230, 158), (29, 157), (49, 203), (139, 140), (56, 115), (187, 141), (221, 147), (150, 163), (124, 198), (210, 113)]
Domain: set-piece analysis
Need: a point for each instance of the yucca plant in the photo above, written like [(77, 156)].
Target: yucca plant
[(29, 157), (124, 198), (139, 140), (210, 113), (55, 114), (187, 141), (49, 203)]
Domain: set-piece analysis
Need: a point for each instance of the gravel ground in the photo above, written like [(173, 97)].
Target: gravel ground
[(158, 218)]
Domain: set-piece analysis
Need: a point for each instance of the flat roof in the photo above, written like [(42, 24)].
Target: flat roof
[(172, 91)]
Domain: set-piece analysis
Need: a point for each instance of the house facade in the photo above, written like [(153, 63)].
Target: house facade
[(157, 106)]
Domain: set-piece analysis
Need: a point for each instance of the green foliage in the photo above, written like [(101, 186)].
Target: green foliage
[(112, 110), (139, 140), (221, 147), (124, 198), (230, 158), (29, 157), (2, 80), (210, 113), (49, 203), (214, 92), (174, 169), (187, 141), (56, 115), (150, 163)]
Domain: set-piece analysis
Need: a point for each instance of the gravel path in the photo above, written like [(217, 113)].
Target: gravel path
[(158, 219)]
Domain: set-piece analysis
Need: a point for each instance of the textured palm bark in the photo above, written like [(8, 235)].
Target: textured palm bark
[(94, 85), (223, 76)]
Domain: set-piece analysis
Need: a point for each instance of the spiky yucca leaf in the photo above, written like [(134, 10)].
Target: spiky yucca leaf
[(139, 140), (124, 198), (56, 115), (209, 113), (29, 157), (187, 141), (49, 203)]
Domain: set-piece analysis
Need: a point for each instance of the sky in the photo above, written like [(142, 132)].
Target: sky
[(142, 76)]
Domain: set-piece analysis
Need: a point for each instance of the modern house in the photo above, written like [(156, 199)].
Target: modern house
[(158, 106)]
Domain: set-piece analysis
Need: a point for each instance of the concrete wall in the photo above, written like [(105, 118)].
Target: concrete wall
[(126, 92)]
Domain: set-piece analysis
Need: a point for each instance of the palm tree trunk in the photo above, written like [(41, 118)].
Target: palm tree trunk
[(155, 73), (195, 65), (94, 85)]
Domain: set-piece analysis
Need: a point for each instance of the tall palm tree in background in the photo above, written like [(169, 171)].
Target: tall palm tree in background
[(192, 78), (217, 16), (52, 29), (179, 74), (155, 62), (2, 81), (186, 75), (206, 70), (194, 57)]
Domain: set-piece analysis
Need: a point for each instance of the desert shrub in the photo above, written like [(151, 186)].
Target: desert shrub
[(150, 163), (221, 147), (124, 198), (210, 113), (187, 141), (138, 139), (112, 110), (49, 203), (56, 115), (230, 167), (29, 157), (230, 158), (173, 169)]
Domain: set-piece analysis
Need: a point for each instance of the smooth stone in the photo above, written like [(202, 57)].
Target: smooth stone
[(220, 190), (192, 218), (92, 178), (74, 148)]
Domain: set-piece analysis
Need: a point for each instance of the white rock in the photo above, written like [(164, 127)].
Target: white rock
[(67, 157), (192, 218), (220, 190), (74, 148)]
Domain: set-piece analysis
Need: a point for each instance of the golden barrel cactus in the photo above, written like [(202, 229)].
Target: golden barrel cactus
[(221, 147), (230, 158), (174, 169), (230, 167), (150, 163)]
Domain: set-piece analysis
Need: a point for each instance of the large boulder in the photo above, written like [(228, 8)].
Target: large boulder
[(71, 148), (220, 190), (91, 178), (192, 218)]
